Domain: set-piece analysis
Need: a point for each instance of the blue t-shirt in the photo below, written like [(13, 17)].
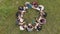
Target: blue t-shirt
[(29, 5)]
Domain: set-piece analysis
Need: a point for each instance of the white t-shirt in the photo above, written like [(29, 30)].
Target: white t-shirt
[(42, 7), (21, 27), (36, 8), (21, 19)]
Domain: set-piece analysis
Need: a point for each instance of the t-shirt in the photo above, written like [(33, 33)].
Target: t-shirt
[(29, 5), (42, 7), (21, 28)]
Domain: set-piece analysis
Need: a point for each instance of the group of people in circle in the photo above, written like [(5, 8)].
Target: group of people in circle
[(40, 21)]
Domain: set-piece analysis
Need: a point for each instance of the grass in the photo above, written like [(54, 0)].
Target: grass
[(8, 8)]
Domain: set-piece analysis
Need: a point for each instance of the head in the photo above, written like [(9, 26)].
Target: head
[(35, 4), (20, 8), (29, 25)]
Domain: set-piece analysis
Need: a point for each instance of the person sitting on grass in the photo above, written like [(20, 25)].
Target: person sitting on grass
[(22, 10), (42, 12), (29, 27), (28, 5), (41, 20), (35, 6)]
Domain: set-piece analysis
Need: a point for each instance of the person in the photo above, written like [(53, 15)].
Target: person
[(41, 20), (29, 27), (22, 10), (35, 6), (28, 5)]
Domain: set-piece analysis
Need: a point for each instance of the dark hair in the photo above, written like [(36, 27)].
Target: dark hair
[(42, 20), (39, 27), (20, 8)]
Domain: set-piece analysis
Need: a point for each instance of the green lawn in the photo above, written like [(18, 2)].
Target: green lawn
[(8, 8)]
